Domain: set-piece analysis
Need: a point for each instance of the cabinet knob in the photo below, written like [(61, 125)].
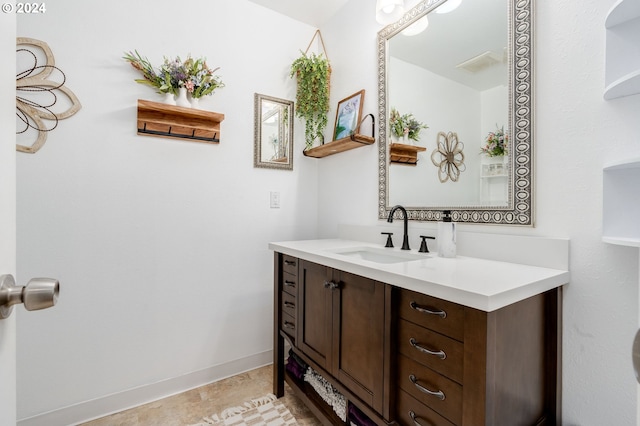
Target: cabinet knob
[(331, 285)]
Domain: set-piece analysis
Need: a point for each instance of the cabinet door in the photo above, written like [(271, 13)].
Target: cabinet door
[(359, 336), (314, 313)]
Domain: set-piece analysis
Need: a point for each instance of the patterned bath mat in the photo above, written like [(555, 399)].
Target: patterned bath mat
[(265, 411)]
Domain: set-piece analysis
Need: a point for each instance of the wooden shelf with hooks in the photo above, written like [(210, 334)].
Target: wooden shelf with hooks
[(170, 121), (401, 153), (339, 145)]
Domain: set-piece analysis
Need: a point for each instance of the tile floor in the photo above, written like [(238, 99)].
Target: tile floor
[(191, 406)]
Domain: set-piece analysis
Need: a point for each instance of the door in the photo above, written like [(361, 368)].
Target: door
[(7, 209), (359, 336), (314, 313)]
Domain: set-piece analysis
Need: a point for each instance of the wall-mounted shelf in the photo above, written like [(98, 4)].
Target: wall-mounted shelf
[(620, 203), (400, 153), (169, 121), (340, 145), (622, 71)]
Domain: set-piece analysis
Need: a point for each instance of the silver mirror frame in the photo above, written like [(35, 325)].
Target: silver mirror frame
[(519, 210), (257, 133)]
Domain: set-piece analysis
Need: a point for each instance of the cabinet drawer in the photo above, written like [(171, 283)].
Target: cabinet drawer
[(288, 325), (436, 314), (430, 388), (290, 264), (288, 304), (436, 351), (290, 283), (410, 412)]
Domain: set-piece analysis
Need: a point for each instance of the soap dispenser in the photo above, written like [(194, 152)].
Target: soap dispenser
[(446, 236)]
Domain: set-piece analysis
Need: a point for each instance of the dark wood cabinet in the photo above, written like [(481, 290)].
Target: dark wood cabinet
[(358, 352), (407, 358), (472, 367), (342, 329), (315, 314)]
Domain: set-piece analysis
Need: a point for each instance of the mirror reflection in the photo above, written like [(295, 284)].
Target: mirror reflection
[(451, 71), (273, 132), (453, 77)]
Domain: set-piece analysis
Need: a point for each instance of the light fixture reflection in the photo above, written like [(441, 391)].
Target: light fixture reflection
[(448, 6), (417, 27), (388, 11)]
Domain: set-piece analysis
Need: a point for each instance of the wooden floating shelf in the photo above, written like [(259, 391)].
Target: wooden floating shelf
[(170, 121), (404, 154), (340, 145)]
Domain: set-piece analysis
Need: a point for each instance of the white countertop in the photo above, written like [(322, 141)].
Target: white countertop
[(478, 283)]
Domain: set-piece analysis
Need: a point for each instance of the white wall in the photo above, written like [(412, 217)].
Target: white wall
[(576, 133), (160, 245)]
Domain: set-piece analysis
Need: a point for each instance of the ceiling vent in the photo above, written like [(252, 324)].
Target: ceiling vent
[(482, 61)]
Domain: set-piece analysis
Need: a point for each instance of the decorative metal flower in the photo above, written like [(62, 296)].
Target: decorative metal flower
[(449, 157), (37, 93)]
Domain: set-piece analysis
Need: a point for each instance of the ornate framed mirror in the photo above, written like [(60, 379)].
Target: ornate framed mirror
[(470, 72), (273, 132)]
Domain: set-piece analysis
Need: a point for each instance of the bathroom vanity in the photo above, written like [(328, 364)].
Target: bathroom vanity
[(413, 339)]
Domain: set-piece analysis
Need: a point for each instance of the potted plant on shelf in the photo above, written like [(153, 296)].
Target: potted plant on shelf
[(405, 128), (313, 74), (496, 145), (176, 77)]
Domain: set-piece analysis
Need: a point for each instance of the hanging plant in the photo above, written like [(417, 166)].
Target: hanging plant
[(313, 75)]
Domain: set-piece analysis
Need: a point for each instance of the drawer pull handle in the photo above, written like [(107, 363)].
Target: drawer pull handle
[(441, 314), (288, 324), (290, 262), (415, 419), (438, 394), (290, 283), (289, 305), (439, 354)]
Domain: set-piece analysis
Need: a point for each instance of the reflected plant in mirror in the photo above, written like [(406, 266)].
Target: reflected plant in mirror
[(496, 144), (405, 127), (273, 133), (469, 70)]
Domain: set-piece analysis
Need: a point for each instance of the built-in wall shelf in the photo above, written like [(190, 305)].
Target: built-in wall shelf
[(621, 204), (400, 153), (622, 71), (340, 145), (170, 121)]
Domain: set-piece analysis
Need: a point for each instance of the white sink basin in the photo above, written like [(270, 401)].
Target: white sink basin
[(380, 255)]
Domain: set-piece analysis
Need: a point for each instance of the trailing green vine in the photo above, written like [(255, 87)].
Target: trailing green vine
[(313, 74)]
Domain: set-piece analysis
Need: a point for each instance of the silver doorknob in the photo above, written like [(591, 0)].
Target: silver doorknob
[(39, 293)]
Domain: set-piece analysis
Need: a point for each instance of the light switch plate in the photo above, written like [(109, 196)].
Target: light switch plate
[(274, 200)]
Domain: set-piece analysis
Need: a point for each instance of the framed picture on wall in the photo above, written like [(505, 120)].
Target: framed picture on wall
[(348, 115)]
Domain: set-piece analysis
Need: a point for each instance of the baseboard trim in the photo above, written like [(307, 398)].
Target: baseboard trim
[(114, 403)]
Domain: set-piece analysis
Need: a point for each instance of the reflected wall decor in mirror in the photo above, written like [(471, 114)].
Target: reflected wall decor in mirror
[(469, 72), (273, 133)]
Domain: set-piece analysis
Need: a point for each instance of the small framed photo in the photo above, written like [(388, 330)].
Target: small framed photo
[(348, 115)]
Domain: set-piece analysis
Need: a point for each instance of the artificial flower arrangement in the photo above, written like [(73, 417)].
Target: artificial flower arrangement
[(192, 74), (496, 143), (405, 125)]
